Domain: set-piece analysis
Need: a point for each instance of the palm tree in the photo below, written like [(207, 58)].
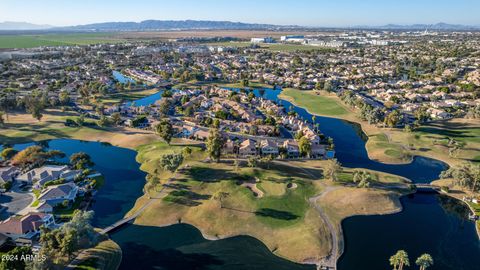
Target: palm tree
[(400, 259), (424, 261), (394, 261), (403, 258)]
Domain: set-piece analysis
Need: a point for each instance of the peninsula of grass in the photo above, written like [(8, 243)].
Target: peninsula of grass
[(214, 198), (314, 103)]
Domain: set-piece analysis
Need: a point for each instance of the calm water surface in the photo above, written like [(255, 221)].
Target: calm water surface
[(428, 223), (182, 246), (124, 180)]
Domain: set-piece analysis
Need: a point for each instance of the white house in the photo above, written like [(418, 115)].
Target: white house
[(41, 175), (55, 195)]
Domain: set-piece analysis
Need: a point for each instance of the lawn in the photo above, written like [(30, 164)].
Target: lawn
[(282, 218), (23, 128), (315, 104), (127, 96), (31, 41), (107, 255)]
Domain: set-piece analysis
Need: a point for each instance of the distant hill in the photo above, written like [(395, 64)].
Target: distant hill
[(437, 26), (22, 26), (155, 25)]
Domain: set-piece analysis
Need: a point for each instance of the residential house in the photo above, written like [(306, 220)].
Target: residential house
[(200, 135), (247, 148), (27, 226), (48, 173), (229, 148), (293, 151), (55, 195), (8, 174), (318, 151), (268, 147)]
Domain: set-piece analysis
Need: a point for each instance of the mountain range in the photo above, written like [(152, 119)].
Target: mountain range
[(153, 25), (157, 25), (22, 26)]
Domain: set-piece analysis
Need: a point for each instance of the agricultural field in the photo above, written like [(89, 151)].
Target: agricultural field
[(31, 41)]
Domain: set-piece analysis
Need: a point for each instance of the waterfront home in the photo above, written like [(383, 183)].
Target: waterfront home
[(48, 173), (26, 227), (8, 174), (247, 148), (55, 195), (268, 147), (44, 207), (318, 151)]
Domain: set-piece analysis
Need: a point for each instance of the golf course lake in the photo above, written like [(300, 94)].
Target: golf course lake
[(429, 223), (124, 180)]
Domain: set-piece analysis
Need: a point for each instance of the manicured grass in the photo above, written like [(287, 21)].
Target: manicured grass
[(67, 212), (31, 41), (107, 255), (287, 209), (316, 104), (282, 218), (22, 128), (272, 188), (127, 96), (35, 203)]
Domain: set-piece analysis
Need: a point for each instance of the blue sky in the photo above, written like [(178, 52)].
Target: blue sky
[(299, 12)]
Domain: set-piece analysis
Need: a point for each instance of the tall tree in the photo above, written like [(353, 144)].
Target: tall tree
[(393, 119), (165, 130), (332, 169), (214, 144), (424, 261), (305, 146), (171, 162), (8, 153), (81, 161), (400, 259)]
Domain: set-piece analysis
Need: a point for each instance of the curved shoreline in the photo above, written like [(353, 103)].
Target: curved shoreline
[(361, 124)]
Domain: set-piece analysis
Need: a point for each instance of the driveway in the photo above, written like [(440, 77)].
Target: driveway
[(14, 201)]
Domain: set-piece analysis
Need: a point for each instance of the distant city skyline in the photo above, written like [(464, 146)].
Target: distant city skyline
[(338, 13)]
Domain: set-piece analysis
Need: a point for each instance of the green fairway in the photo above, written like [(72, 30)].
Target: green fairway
[(316, 104), (31, 41)]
